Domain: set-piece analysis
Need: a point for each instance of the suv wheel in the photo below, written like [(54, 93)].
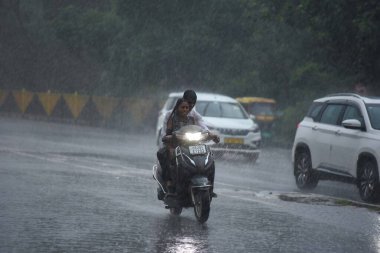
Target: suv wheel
[(368, 181), (305, 178)]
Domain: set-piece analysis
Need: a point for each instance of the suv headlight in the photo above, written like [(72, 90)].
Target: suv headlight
[(255, 129)]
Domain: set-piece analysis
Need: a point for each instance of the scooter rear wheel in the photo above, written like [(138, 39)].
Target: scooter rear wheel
[(175, 210)]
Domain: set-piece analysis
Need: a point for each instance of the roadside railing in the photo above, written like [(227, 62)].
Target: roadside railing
[(105, 111)]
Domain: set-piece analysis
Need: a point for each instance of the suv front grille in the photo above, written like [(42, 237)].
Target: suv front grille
[(234, 132)]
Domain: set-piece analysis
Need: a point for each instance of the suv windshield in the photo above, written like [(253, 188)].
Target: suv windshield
[(374, 115), (220, 109)]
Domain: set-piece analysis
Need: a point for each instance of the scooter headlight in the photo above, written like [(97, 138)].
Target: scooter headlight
[(193, 136)]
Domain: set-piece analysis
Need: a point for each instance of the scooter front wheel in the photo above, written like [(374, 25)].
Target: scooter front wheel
[(202, 206)]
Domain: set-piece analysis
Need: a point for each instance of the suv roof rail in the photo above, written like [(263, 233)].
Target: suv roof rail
[(344, 94)]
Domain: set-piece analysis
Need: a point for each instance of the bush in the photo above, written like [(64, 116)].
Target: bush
[(285, 128)]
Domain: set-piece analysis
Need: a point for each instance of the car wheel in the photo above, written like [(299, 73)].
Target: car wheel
[(368, 181), (305, 178)]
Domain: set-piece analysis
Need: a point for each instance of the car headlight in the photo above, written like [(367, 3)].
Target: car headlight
[(256, 129)]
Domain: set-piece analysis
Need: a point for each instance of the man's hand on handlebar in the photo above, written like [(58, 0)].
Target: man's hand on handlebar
[(214, 137), (167, 138)]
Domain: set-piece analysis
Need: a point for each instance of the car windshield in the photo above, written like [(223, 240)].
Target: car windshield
[(220, 109), (374, 115)]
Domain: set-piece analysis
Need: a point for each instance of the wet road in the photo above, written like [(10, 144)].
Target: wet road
[(67, 188)]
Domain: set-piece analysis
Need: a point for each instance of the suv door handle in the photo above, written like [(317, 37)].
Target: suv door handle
[(338, 132), (314, 128)]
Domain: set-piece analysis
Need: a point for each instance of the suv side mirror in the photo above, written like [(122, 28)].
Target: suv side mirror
[(252, 117), (352, 124)]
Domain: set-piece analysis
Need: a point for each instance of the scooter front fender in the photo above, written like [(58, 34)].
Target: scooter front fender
[(199, 183)]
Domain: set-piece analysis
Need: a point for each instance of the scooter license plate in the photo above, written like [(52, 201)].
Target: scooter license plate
[(197, 150)]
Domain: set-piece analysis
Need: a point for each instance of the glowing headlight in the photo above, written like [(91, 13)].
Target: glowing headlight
[(193, 136)]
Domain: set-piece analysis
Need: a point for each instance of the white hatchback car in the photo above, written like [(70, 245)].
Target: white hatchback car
[(237, 131), (339, 139)]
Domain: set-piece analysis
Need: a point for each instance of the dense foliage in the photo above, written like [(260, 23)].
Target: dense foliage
[(290, 50)]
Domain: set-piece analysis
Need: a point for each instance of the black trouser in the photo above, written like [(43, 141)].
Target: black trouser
[(164, 160), (211, 176)]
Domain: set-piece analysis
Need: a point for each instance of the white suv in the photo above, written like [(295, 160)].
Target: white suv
[(339, 139), (226, 116)]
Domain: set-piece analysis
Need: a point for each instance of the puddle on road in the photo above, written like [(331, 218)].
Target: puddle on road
[(315, 199), (306, 200), (322, 200)]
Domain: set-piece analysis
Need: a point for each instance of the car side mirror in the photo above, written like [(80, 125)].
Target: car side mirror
[(352, 124), (252, 117)]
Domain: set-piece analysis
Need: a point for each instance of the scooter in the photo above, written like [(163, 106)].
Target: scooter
[(194, 171)]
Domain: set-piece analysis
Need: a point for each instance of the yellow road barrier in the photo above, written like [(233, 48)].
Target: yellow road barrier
[(75, 103), (139, 108), (23, 99), (123, 112), (48, 100), (3, 96), (105, 105)]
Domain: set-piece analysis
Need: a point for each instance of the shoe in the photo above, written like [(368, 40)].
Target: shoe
[(160, 193), (214, 195)]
